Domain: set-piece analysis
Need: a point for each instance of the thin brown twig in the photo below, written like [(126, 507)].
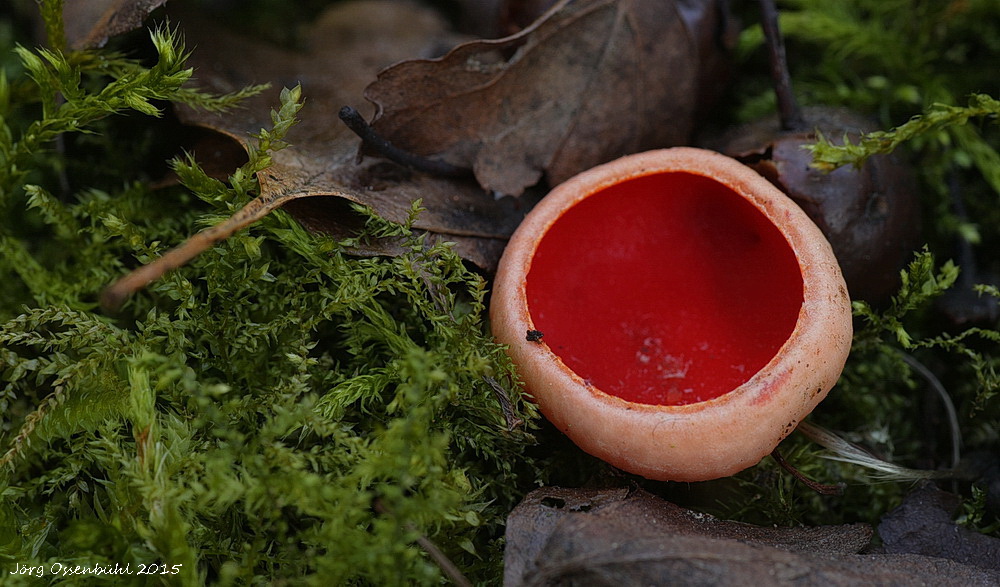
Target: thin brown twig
[(447, 567), (788, 108), (440, 558), (820, 488), (115, 294)]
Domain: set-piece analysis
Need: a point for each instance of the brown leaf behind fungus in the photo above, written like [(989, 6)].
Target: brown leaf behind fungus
[(630, 537), (590, 81)]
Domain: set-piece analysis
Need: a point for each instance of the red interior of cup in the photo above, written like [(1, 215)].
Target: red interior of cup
[(666, 289)]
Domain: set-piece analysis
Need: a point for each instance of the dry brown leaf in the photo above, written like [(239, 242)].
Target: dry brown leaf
[(90, 23), (590, 81), (630, 537), (345, 48), (319, 174), (923, 524)]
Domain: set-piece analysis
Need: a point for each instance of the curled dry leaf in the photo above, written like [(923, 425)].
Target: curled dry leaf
[(590, 81), (630, 537)]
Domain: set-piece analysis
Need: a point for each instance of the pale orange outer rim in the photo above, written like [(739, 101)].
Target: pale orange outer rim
[(705, 440)]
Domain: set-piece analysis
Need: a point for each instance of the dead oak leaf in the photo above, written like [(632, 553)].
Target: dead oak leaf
[(343, 51), (590, 81), (923, 524), (614, 537), (317, 177)]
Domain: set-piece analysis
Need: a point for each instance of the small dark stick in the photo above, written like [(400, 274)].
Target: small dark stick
[(437, 555), (354, 121), (788, 108), (820, 488)]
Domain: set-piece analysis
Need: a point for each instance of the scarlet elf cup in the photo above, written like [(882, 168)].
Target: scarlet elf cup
[(673, 313)]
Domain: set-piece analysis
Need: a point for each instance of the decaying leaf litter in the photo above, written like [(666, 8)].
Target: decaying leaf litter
[(304, 171)]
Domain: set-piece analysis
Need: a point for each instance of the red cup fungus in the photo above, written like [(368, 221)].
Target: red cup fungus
[(673, 313)]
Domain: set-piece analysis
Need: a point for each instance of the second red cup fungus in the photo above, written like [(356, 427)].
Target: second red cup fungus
[(673, 312)]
